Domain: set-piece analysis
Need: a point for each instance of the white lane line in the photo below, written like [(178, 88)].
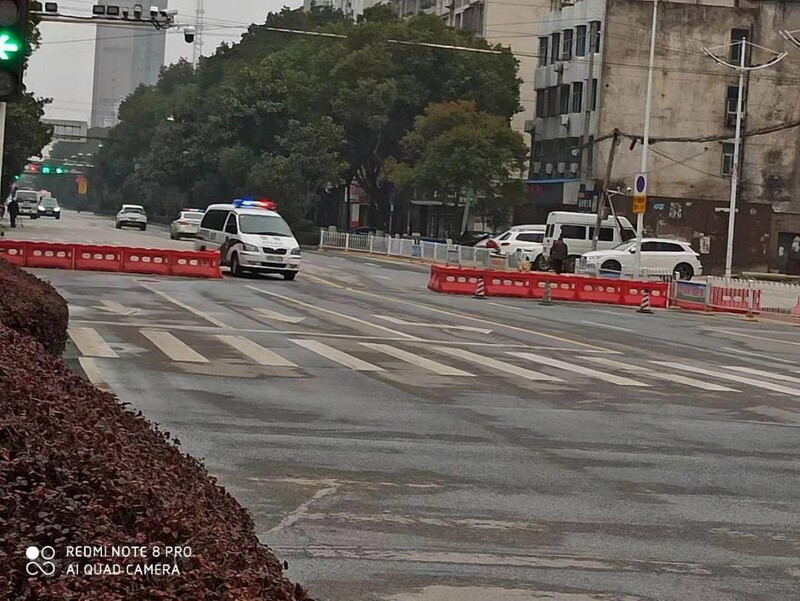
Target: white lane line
[(383, 277), (172, 347), (372, 264), (336, 355), (765, 374), (732, 333), (791, 417), (571, 368), (427, 324), (434, 366), (335, 313), (254, 351), (759, 355), (490, 363), (732, 377), (274, 315), (90, 344), (183, 305), (93, 373), (605, 325), (677, 378), (510, 306)]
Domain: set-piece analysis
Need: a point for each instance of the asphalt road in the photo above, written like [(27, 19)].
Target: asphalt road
[(395, 444)]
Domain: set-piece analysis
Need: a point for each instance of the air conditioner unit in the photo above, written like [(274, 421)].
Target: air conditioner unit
[(537, 166), (565, 120), (548, 168), (562, 167), (559, 67), (530, 125), (573, 167)]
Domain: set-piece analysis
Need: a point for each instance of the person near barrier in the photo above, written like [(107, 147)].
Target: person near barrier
[(13, 211), (559, 254)]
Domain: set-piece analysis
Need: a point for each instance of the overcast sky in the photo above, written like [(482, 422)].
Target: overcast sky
[(62, 68)]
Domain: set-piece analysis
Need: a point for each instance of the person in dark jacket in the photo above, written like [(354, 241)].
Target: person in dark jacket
[(13, 211), (559, 254)]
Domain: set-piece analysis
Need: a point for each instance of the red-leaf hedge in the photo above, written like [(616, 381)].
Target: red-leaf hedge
[(29, 305), (77, 468)]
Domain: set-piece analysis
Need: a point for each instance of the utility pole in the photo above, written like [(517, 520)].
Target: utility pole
[(197, 50), (601, 201), (743, 68), (646, 140), (588, 96)]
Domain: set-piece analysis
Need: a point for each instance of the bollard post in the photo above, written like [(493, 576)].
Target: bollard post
[(547, 300), (480, 288), (750, 316), (644, 306), (346, 242)]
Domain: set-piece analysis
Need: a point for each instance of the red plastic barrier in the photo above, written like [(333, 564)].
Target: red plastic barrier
[(453, 280), (50, 254), (633, 291), (195, 264), (98, 258), (14, 251), (146, 260), (434, 282), (562, 287), (505, 283), (600, 290)]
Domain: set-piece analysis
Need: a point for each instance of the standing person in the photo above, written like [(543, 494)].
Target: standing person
[(559, 254), (13, 211)]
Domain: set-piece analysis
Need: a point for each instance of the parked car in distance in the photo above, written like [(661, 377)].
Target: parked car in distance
[(48, 207), (577, 231), (362, 231), (133, 215), (187, 223), (526, 239), (671, 256), (473, 238)]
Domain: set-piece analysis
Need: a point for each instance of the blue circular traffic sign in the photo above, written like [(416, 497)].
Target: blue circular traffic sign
[(640, 184)]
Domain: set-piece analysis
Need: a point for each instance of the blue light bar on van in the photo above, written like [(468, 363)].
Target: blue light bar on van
[(251, 203)]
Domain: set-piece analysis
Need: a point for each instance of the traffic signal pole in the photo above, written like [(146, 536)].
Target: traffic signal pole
[(2, 139)]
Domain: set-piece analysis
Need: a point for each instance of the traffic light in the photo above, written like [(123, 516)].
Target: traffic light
[(13, 46)]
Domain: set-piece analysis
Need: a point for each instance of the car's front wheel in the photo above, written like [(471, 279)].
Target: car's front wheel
[(143, 228), (541, 263), (611, 266), (684, 271), (119, 226), (236, 268), (289, 275)]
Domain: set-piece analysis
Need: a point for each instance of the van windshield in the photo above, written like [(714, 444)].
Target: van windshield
[(264, 225), (27, 196)]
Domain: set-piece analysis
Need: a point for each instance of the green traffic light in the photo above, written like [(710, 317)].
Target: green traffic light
[(45, 170), (59, 170), (8, 47)]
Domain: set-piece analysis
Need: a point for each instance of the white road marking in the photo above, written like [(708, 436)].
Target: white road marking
[(784, 415), (510, 306), (90, 344), (508, 368), (571, 368), (413, 359), (438, 326), (677, 378), (732, 377), (372, 264), (183, 305), (605, 325), (172, 347), (93, 373), (335, 313), (732, 333), (294, 516), (274, 315), (764, 374), (117, 308), (383, 277), (254, 351), (759, 355), (336, 355)]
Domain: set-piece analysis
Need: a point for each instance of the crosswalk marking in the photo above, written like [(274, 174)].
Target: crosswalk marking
[(172, 347), (732, 377), (254, 351), (579, 369), (765, 374), (508, 368), (336, 355), (677, 378), (90, 344), (274, 315), (430, 365)]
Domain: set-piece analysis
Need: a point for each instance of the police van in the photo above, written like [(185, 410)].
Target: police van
[(251, 236)]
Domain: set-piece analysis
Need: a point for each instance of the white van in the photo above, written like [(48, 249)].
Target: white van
[(250, 237), (577, 229), (28, 202)]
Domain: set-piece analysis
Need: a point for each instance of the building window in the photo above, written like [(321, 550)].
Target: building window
[(552, 102), (735, 48), (577, 97), (567, 53), (727, 158), (580, 40), (555, 46), (563, 99), (731, 103), (543, 43), (594, 94), (541, 102), (594, 36)]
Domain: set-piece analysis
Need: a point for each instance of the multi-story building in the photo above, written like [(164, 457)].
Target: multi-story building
[(591, 79), (124, 58)]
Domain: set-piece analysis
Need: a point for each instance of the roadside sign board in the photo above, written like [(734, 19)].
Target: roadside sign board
[(640, 193), (639, 204)]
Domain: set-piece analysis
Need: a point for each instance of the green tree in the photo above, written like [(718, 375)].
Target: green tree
[(456, 151)]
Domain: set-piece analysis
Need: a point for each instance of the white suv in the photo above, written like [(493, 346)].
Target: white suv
[(132, 215), (662, 254), (526, 239)]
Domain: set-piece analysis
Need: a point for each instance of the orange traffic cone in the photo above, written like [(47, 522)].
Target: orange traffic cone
[(644, 307), (480, 288)]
